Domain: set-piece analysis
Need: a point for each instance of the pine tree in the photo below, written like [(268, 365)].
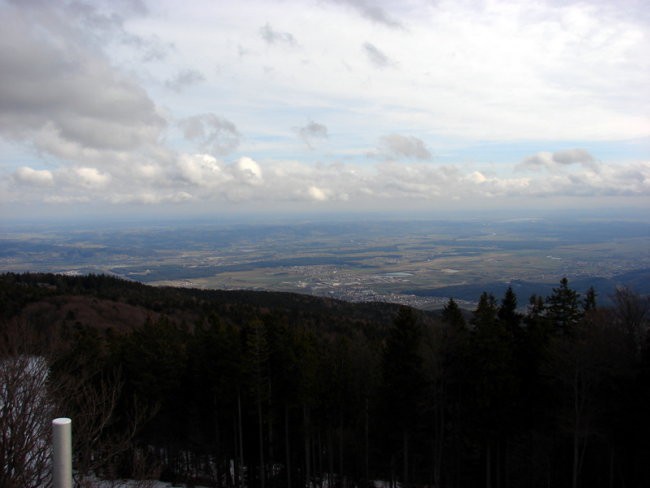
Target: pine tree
[(536, 307), (493, 377), (507, 312), (486, 311), (258, 359), (563, 307), (590, 300), (453, 315), (307, 349), (216, 377), (403, 379)]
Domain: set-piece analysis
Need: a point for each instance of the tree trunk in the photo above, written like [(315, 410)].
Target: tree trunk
[(611, 468), (330, 457), (306, 428), (406, 459), (260, 420), (576, 451), (439, 440), (318, 461), (233, 470), (287, 445), (574, 480), (488, 466), (217, 444), (497, 465), (341, 474), (366, 444), (240, 468), (578, 404), (270, 444)]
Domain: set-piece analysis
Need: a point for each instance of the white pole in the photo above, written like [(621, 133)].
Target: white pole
[(62, 453)]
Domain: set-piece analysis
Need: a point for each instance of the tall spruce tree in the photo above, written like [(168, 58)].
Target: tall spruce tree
[(507, 312), (258, 362), (563, 307), (493, 380), (403, 379), (485, 313), (453, 315), (589, 303)]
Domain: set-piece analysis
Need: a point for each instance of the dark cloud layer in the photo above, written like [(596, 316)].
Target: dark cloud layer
[(60, 92)]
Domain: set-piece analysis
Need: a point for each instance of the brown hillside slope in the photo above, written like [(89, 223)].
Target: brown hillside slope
[(91, 311)]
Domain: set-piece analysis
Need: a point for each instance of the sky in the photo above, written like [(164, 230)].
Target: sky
[(136, 107)]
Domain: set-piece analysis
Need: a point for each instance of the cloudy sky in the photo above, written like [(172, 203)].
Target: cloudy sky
[(201, 107)]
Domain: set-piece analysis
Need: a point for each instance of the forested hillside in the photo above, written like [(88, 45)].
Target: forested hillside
[(272, 390)]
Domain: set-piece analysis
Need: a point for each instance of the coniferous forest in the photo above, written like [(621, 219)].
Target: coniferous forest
[(260, 389)]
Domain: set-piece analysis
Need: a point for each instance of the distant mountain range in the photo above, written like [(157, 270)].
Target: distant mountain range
[(636, 280)]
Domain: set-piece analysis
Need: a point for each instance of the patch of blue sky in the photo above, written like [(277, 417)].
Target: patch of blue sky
[(13, 156)]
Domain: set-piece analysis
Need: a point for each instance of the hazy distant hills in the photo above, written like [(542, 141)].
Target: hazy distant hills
[(418, 263), (637, 280)]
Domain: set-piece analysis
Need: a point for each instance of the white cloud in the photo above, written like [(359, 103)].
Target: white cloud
[(317, 194), (201, 178), (312, 132), (477, 177), (53, 81), (76, 98), (371, 11), (29, 176), (575, 156), (213, 133), (272, 36), (147, 171), (63, 100), (91, 177), (184, 79), (151, 198), (556, 160), (201, 170), (376, 56), (396, 146), (249, 170)]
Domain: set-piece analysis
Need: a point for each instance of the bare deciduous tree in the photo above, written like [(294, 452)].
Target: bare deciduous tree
[(31, 395), (631, 312), (26, 411)]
